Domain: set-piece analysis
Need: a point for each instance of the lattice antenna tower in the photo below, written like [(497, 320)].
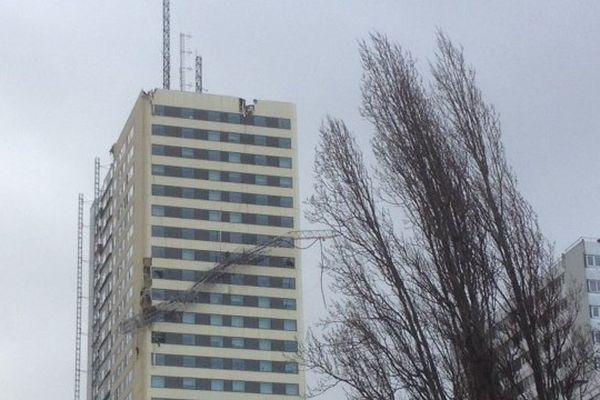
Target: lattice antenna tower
[(78, 319), (198, 73), (96, 177), (166, 44), (183, 53)]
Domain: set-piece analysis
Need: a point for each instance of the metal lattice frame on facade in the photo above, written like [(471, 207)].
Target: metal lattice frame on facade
[(198, 74), (78, 319)]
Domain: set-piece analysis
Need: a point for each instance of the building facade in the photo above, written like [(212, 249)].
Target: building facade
[(197, 179)]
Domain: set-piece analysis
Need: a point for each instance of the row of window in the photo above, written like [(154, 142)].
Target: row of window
[(225, 299), (592, 260), (224, 196), (234, 321), (222, 216), (595, 311), (226, 278), (221, 136), (221, 236), (219, 256), (221, 176), (236, 364), (224, 156), (224, 385), (220, 116), (593, 285), (188, 339)]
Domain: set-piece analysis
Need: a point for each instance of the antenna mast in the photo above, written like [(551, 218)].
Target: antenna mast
[(198, 74), (182, 61), (166, 45), (77, 394)]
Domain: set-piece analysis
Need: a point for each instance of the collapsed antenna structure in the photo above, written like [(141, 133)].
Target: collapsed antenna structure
[(78, 319), (166, 44), (151, 313)]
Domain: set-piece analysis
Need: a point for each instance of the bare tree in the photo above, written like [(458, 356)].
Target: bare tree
[(453, 308)]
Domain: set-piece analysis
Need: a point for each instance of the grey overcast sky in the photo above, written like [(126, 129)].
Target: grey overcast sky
[(71, 70)]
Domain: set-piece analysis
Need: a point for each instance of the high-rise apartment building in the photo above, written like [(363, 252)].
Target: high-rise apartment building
[(196, 179)]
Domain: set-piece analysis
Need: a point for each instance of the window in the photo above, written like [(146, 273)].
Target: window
[(289, 304), (158, 381), (159, 359), (188, 339), (216, 363), (260, 159), (213, 116), (214, 215), (188, 275), (187, 113), (238, 386), (187, 254), (235, 217), (263, 281), (593, 286), (285, 162), (597, 261), (235, 158), (235, 177), (264, 323), (236, 300), (235, 197), (595, 311), (187, 172), (238, 364), (188, 193), (188, 383), (285, 143), (158, 169), (266, 388), (265, 366), (291, 389), (291, 368), (260, 180), (288, 222), (217, 385), (216, 320), (187, 213), (187, 133), (234, 137), (290, 346), (284, 123), (187, 152), (262, 200), (158, 211), (233, 118), (214, 175), (286, 202), (596, 336), (237, 321), (187, 233), (216, 341), (216, 298), (188, 361), (237, 279), (285, 181), (289, 325), (264, 302), (214, 136), (260, 121), (237, 343), (264, 344), (288, 283), (262, 219), (214, 195), (260, 140), (188, 318)]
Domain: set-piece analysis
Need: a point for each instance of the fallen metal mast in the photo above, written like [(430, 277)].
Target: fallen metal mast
[(151, 313)]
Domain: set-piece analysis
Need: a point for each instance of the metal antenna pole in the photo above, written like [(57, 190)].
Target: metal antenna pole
[(182, 61), (166, 45), (198, 74), (96, 177), (77, 395)]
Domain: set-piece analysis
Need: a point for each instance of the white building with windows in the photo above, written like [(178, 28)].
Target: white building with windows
[(196, 179)]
